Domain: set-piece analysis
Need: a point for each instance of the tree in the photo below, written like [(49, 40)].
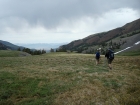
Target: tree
[(61, 50), (19, 49), (103, 44), (118, 46), (43, 51), (23, 50), (110, 43), (57, 50), (52, 50)]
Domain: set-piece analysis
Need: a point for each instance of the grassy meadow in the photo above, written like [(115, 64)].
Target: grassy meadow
[(68, 79)]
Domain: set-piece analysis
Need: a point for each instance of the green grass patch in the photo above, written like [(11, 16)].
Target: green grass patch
[(111, 83), (130, 53), (62, 78), (8, 53), (12, 86), (98, 69)]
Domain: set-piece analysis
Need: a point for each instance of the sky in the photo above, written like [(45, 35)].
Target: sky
[(62, 21)]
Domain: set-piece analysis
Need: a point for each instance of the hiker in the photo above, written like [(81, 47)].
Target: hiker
[(97, 56), (110, 56)]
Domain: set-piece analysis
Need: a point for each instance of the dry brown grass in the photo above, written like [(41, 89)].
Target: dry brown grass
[(83, 82)]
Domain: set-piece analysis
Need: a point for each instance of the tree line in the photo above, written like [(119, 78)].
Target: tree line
[(32, 52)]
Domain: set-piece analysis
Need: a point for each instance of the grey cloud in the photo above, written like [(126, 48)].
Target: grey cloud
[(51, 13)]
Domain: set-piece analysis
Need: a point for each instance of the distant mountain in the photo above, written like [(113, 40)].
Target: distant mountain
[(4, 45), (102, 38), (45, 46)]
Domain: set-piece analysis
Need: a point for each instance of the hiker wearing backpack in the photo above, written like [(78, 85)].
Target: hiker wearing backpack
[(97, 56), (110, 56)]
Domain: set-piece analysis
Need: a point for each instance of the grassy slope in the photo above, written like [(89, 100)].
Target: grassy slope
[(130, 53), (69, 79), (9, 53), (12, 53)]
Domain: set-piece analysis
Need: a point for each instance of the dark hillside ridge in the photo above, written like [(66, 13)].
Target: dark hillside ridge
[(10, 45), (103, 37), (4, 47)]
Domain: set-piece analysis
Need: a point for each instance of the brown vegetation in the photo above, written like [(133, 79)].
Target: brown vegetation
[(70, 79), (105, 36)]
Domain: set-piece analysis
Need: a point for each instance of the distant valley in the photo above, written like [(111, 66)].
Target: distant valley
[(45, 46), (4, 45)]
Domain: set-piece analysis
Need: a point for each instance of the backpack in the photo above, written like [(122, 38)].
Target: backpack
[(111, 55), (97, 55)]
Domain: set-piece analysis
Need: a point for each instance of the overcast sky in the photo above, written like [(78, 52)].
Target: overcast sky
[(58, 21)]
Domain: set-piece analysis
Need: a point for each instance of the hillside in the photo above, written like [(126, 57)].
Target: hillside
[(69, 79), (10, 53), (102, 38), (4, 47), (10, 45)]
